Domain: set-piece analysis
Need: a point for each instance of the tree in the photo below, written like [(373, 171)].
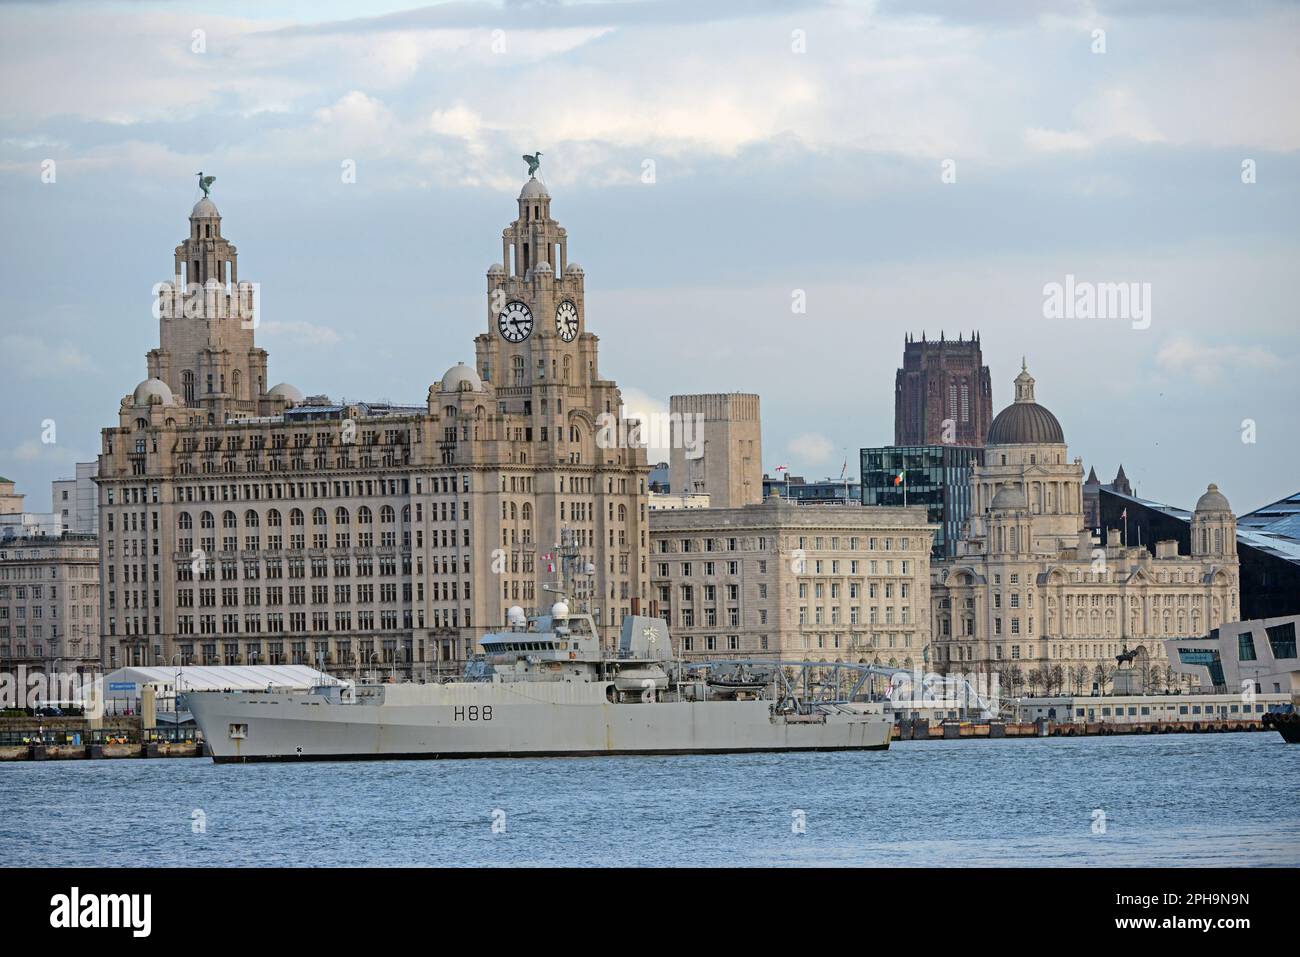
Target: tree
[(1103, 674), (1035, 681), (1079, 676), (1056, 679), (1015, 679)]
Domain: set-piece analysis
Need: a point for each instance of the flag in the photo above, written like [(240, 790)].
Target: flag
[(898, 479), (1124, 514), (782, 468), (844, 469)]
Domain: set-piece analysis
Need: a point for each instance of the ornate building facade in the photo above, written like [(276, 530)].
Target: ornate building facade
[(781, 580), (1030, 590), (245, 524)]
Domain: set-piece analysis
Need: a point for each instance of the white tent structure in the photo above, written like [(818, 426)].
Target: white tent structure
[(121, 689)]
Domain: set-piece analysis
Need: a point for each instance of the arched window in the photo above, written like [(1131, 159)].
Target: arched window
[(273, 518), (295, 517), (622, 513), (237, 379), (185, 522), (318, 516), (228, 519), (565, 373), (406, 515), (387, 515), (207, 521), (341, 516), (517, 366), (187, 386), (526, 512), (250, 519), (365, 516)]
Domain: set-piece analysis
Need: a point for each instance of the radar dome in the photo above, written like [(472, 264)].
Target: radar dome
[(560, 611), (515, 617)]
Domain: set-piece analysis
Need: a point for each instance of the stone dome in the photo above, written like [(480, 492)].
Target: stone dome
[(534, 189), (1212, 501), (461, 378), (543, 268), (496, 269), (573, 269), (1025, 422), (152, 391), (1009, 496), (204, 209), (290, 393)]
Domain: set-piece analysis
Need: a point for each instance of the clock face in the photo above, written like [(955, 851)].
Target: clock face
[(566, 320), (515, 323)]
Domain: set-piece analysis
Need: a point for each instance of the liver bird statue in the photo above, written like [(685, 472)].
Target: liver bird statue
[(205, 182), (533, 162)]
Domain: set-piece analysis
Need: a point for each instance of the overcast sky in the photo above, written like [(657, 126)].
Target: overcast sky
[(794, 146)]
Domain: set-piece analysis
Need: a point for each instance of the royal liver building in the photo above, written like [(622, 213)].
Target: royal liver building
[(243, 523)]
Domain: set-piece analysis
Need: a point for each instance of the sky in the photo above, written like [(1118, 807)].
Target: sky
[(896, 168)]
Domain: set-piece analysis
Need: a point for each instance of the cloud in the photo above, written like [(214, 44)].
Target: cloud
[(812, 448), (35, 452), (300, 333), (34, 358), (1212, 363), (653, 414)]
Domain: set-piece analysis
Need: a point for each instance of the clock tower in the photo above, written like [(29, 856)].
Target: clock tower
[(537, 351), (536, 323), (546, 432)]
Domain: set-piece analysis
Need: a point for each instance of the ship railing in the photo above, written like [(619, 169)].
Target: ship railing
[(803, 685)]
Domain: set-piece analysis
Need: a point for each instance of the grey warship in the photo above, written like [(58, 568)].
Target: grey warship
[(545, 687)]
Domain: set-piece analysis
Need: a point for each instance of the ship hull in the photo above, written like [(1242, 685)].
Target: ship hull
[(528, 719)]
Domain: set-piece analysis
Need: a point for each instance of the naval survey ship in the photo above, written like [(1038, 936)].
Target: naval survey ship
[(545, 686)]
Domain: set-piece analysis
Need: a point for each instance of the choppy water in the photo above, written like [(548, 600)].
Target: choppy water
[(1167, 800)]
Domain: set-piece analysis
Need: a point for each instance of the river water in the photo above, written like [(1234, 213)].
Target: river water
[(1167, 800)]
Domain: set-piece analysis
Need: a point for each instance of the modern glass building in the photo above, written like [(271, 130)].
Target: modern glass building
[(936, 476)]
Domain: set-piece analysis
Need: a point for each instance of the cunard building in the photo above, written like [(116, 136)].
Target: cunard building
[(244, 523), (1031, 594)]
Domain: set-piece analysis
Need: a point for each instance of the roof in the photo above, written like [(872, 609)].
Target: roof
[(1278, 518), (1264, 539), (1025, 423), (218, 677)]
